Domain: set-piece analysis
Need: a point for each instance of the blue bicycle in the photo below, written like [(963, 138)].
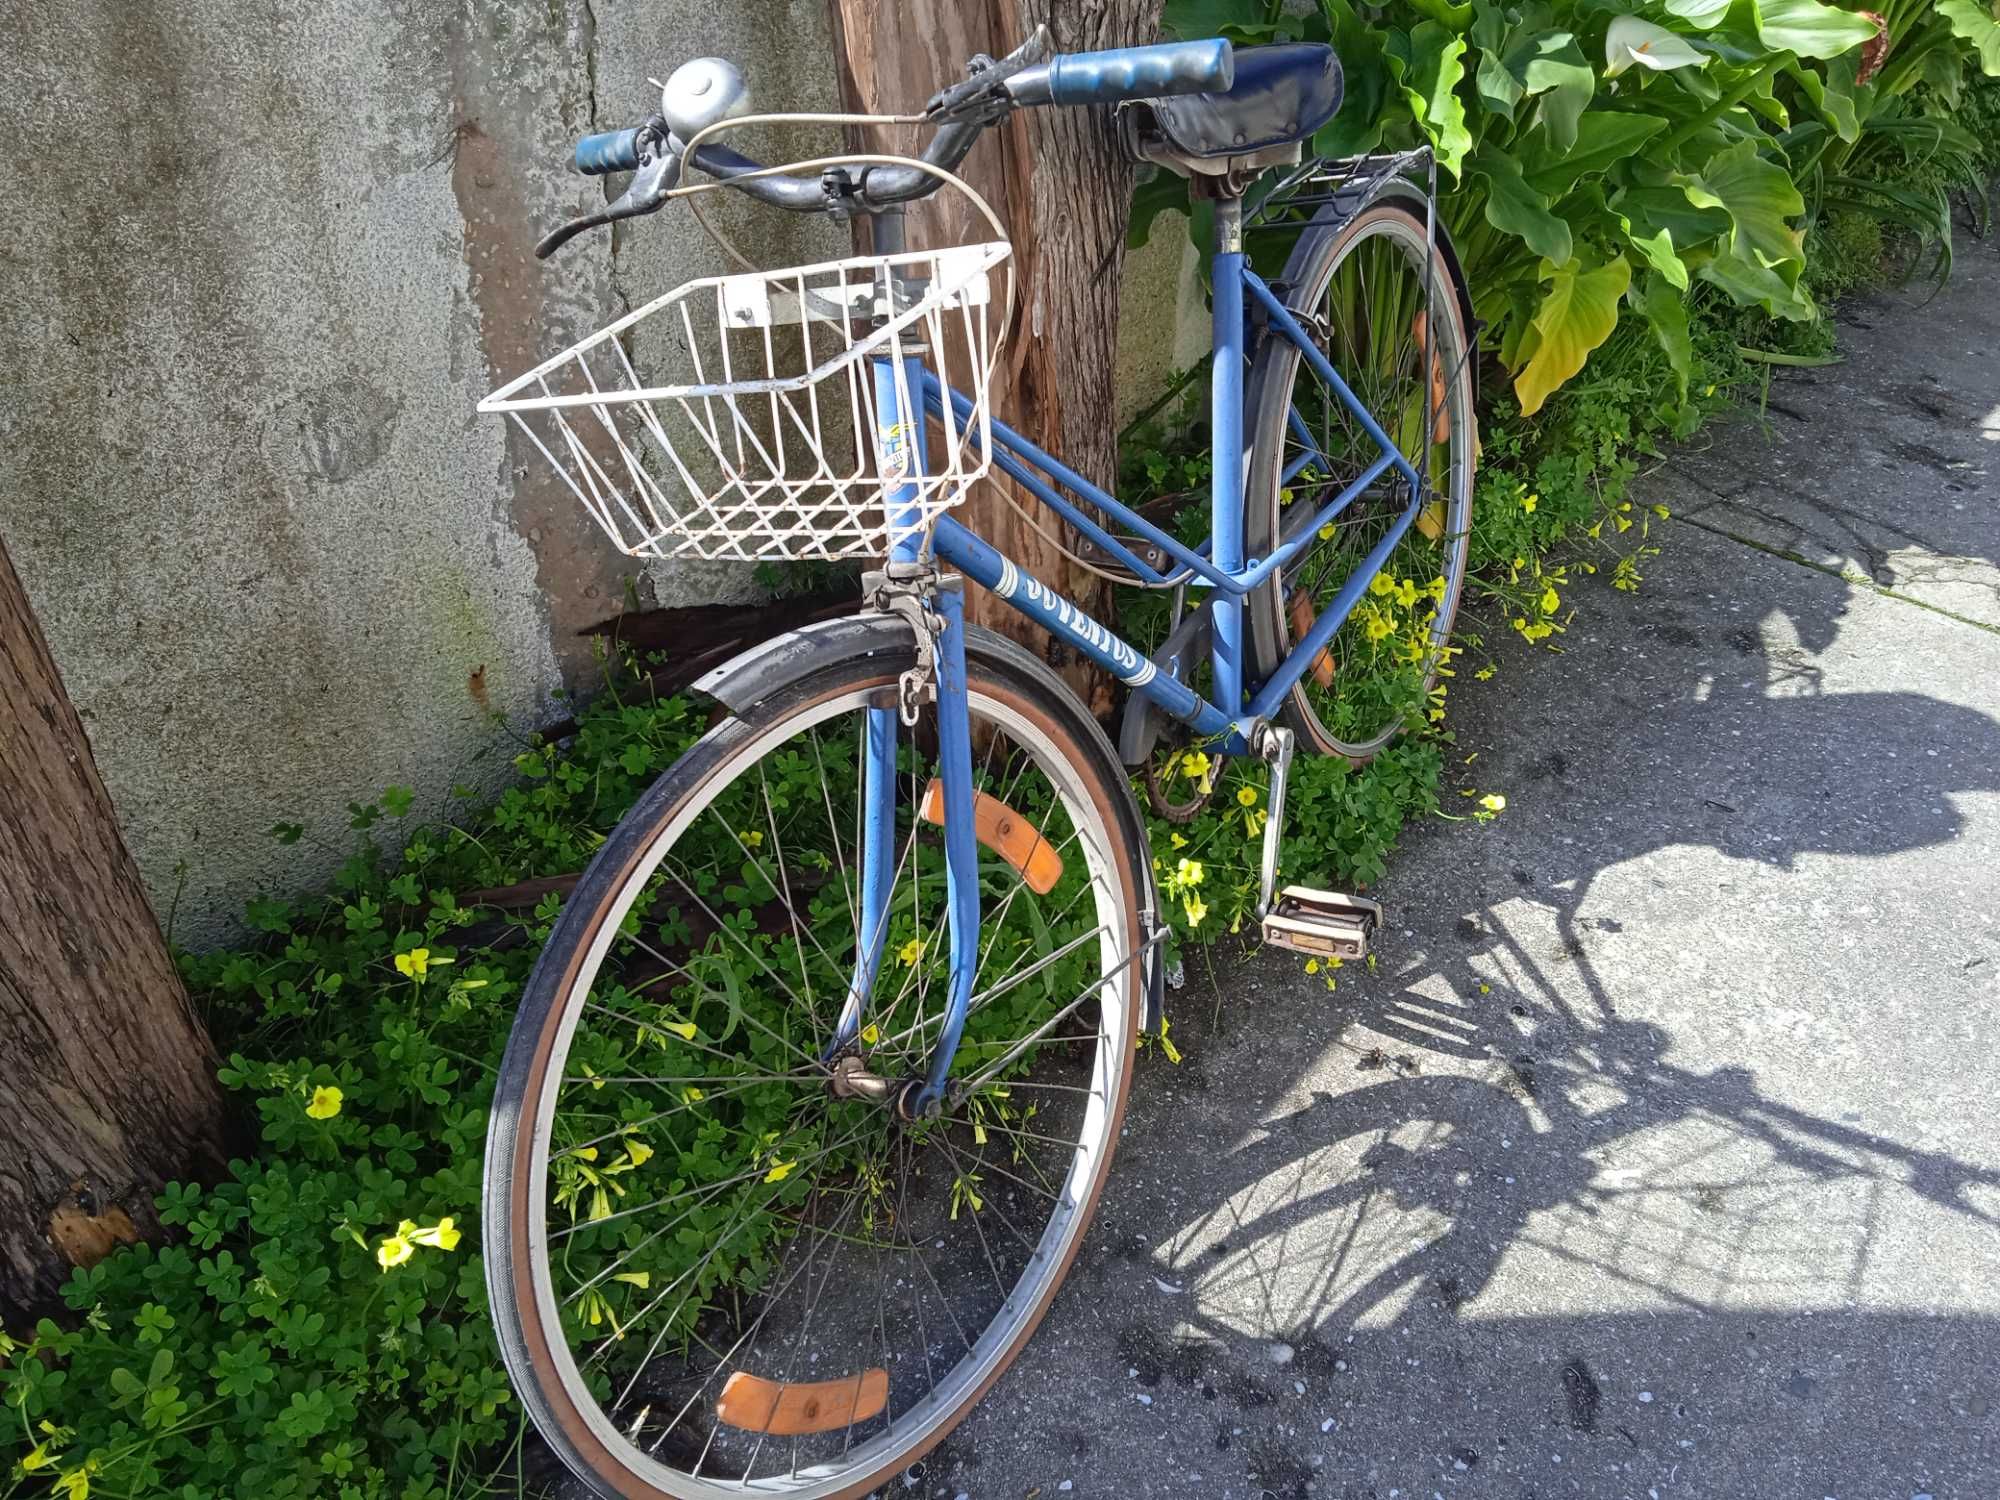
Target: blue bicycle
[(816, 1084)]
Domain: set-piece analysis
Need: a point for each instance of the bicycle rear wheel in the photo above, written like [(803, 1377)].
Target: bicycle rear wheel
[(1385, 301), (713, 1274)]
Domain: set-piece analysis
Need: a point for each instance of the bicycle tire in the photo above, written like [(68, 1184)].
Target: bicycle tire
[(1336, 233), (1012, 689)]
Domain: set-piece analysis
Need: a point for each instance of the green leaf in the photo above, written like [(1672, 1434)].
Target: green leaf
[(1666, 313), (1517, 209), (1577, 314), (1759, 196), (1705, 15), (1452, 17), (1808, 28), (1832, 95), (1658, 250), (1197, 20), (1560, 74), (1653, 210), (1975, 23), (1437, 63), (1366, 79), (1604, 137)]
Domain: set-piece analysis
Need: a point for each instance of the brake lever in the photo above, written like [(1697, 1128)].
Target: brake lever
[(657, 176), (982, 98)]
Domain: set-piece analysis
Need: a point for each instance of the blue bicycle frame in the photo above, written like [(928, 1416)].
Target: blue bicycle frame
[(1227, 720)]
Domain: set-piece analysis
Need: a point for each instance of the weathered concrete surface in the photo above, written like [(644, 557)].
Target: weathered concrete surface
[(1658, 1157), (1886, 466), (265, 259)]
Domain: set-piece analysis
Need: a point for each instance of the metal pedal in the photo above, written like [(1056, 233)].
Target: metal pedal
[(1326, 924)]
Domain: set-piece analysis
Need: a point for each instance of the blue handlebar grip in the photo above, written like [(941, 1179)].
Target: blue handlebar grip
[(1142, 72), (613, 151)]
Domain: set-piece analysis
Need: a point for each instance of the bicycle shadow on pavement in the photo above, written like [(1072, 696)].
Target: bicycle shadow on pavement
[(1499, 1217)]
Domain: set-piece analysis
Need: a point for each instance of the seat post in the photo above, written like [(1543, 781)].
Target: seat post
[(1226, 431)]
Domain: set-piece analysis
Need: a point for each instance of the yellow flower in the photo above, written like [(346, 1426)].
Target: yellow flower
[(1247, 795), (1197, 910), (1406, 592), (1177, 841), (397, 1248), (641, 1279), (692, 1095), (911, 951), (1189, 872), (752, 838), (442, 1235), (1549, 600), (682, 1029), (1379, 625), (639, 1152), (1493, 802), (1312, 966), (1195, 766), (1528, 503), (1381, 583), (325, 1103), (414, 964), (871, 1034), (780, 1172)]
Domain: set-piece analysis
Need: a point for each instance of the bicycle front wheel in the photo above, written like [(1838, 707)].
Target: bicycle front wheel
[(1385, 303), (715, 1268)]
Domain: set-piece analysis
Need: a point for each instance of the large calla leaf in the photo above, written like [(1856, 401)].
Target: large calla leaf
[(1577, 314), (1560, 74), (1451, 17), (1974, 21), (1604, 137), (1758, 286), (1358, 125), (1759, 196), (1832, 95), (1808, 28), (1517, 209), (1666, 314), (1705, 15), (1658, 250), (1654, 210), (1437, 63)]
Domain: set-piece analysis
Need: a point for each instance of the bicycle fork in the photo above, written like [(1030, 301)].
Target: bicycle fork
[(912, 587)]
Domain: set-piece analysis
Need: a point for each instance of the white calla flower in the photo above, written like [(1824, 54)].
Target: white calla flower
[(1632, 40)]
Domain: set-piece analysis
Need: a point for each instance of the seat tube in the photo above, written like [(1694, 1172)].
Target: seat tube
[(1226, 436)]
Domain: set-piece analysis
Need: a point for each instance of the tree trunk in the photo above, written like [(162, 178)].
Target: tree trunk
[(107, 1081), (1063, 188)]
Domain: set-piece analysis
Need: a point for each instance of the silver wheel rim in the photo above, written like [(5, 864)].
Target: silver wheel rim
[(1409, 236), (913, 1429)]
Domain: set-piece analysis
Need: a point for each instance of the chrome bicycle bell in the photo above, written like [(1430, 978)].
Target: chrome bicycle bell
[(698, 93)]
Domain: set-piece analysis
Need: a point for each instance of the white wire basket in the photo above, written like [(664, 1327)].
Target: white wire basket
[(773, 449)]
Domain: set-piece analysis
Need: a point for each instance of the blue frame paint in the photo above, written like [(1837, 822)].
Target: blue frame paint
[(1220, 565)]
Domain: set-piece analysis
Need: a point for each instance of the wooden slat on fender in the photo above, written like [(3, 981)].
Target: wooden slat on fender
[(755, 1404), (1007, 834)]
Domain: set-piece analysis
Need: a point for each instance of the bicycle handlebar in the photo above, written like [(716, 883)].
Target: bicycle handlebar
[(961, 111), (610, 151), (1128, 73)]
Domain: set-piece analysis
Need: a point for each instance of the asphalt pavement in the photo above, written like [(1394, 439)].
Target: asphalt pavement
[(1659, 1156)]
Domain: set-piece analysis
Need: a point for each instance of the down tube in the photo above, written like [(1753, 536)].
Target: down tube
[(998, 574)]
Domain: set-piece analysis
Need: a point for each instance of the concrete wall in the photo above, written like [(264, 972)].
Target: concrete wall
[(265, 257)]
